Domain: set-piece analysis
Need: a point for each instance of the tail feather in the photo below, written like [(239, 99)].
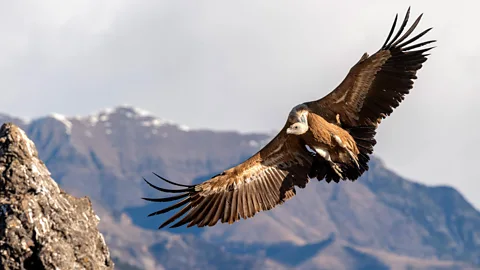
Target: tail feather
[(364, 137)]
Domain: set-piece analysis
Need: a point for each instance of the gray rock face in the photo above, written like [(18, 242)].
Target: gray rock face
[(41, 226)]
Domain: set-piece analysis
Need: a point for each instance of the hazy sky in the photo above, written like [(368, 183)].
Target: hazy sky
[(243, 65)]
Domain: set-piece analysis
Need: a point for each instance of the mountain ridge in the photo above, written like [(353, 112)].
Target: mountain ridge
[(380, 212), (101, 114)]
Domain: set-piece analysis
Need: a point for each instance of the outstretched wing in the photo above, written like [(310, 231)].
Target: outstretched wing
[(262, 182), (377, 84)]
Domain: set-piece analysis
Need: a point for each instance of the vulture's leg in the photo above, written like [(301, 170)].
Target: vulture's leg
[(326, 155)]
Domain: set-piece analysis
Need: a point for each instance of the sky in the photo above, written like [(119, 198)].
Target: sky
[(242, 65)]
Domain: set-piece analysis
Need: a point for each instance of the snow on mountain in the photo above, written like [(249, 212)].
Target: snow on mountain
[(104, 118), (129, 112), (64, 120)]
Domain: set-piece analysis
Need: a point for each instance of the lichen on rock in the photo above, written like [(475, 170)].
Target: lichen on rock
[(41, 226)]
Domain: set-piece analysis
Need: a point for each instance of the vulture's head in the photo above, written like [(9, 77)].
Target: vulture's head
[(298, 120), (297, 128)]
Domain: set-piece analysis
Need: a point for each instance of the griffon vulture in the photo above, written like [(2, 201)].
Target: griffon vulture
[(330, 138)]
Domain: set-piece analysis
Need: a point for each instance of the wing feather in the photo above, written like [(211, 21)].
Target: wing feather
[(233, 207), (245, 209), (257, 203), (227, 209), (392, 29), (253, 204)]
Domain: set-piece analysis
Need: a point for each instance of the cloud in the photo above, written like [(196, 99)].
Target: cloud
[(243, 65)]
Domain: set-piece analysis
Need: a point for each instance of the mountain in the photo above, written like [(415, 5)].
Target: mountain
[(381, 221)]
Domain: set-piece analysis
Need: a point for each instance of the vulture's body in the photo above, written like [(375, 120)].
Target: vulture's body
[(330, 138)]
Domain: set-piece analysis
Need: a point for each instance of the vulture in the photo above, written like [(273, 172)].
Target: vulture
[(328, 139)]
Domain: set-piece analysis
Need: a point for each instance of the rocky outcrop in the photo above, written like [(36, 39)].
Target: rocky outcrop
[(41, 226)]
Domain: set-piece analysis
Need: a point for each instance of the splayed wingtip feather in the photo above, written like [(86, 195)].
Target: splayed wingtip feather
[(171, 182), (167, 190)]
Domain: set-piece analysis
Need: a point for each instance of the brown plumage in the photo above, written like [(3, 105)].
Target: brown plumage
[(330, 138)]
